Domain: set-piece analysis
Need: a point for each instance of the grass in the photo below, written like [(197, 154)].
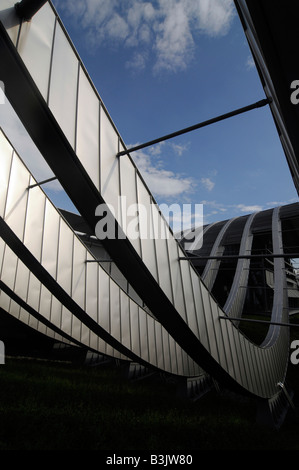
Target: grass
[(62, 406)]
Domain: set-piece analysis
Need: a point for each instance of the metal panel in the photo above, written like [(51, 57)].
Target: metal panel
[(34, 221), (8, 268), (34, 286), (159, 345), (166, 351), (79, 273), (109, 164), (143, 335), (65, 257), (36, 41), (104, 301), (200, 313), (87, 143), (46, 301), (115, 311), (92, 288), (146, 221), (6, 159), (125, 320), (160, 234), (63, 84), (17, 197), (189, 298), (50, 239), (67, 323), (180, 296), (209, 321), (128, 190), (135, 328), (151, 339)]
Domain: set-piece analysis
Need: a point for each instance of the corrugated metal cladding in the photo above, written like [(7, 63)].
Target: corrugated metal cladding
[(50, 239), (218, 346)]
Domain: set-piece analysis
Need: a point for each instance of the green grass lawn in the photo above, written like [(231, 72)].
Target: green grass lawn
[(61, 406)]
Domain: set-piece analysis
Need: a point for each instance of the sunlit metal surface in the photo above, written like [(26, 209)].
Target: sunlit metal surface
[(51, 241)]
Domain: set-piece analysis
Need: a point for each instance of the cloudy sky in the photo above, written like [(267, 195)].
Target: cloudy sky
[(164, 65)]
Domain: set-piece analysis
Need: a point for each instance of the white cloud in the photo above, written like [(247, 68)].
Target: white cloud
[(167, 27), (138, 62), (250, 64), (208, 183), (161, 182), (179, 149), (249, 208)]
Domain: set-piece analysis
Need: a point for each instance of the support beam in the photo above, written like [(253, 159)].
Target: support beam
[(259, 104), (258, 321), (26, 9), (42, 182), (225, 257)]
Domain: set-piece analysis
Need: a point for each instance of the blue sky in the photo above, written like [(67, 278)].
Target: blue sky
[(163, 65)]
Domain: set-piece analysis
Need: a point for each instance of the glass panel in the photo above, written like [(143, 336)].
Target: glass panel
[(173, 357), (109, 164), (33, 292), (65, 257), (209, 321), (151, 339), (24, 316), (143, 335), (128, 187), (5, 301), (125, 320), (162, 252), (50, 239), (17, 197), (167, 359), (63, 84), (146, 228), (135, 329), (104, 301), (66, 322), (115, 311), (6, 152), (35, 46), (56, 308), (92, 288), (79, 269), (34, 221), (159, 345), (45, 302), (87, 147), (178, 272), (9, 265), (200, 314)]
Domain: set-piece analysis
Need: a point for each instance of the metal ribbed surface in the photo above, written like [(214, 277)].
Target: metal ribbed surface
[(189, 312)]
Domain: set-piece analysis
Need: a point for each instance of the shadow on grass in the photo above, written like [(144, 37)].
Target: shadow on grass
[(59, 406)]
